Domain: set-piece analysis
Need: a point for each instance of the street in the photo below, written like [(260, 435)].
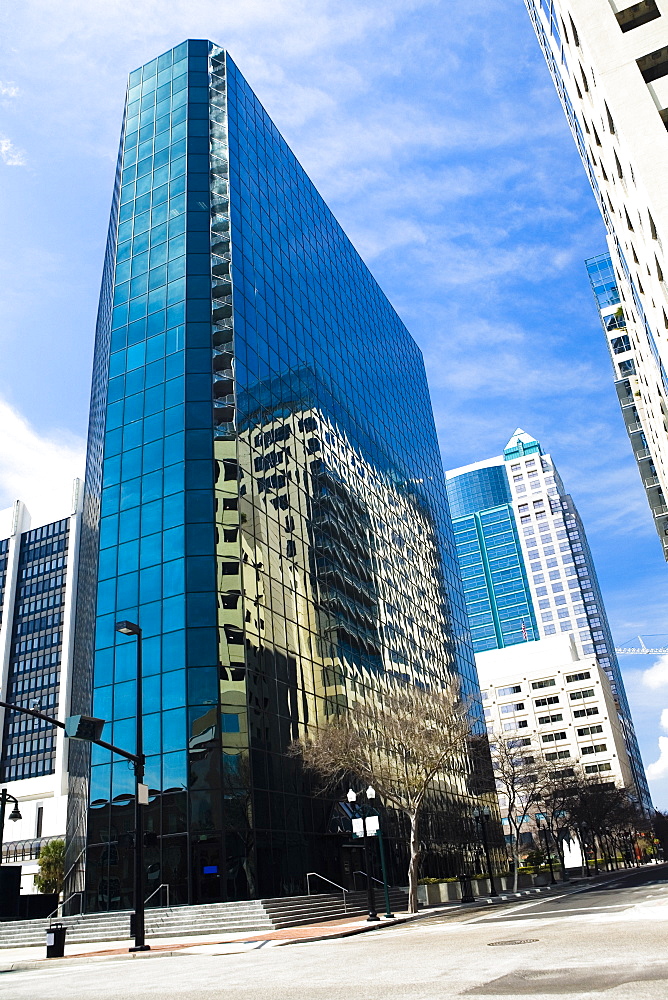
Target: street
[(606, 940)]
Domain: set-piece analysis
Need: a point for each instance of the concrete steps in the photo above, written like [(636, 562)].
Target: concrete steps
[(243, 916), (291, 911)]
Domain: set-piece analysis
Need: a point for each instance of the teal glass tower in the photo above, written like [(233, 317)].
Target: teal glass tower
[(496, 588), (265, 497)]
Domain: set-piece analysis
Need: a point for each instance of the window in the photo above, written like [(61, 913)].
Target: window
[(590, 730), (596, 748), (558, 755), (593, 768), (510, 726), (611, 124), (574, 31), (536, 685), (553, 737), (578, 695), (637, 14), (584, 675), (511, 689), (517, 706), (545, 720), (543, 702), (654, 65)]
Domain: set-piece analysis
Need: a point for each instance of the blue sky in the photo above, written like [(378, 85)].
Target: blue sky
[(434, 132)]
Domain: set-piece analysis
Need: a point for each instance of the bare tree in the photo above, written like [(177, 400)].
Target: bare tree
[(556, 796), (518, 776), (401, 743)]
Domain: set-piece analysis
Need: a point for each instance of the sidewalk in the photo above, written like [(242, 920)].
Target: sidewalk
[(15, 959)]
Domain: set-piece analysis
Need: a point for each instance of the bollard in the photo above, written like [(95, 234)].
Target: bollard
[(467, 889)]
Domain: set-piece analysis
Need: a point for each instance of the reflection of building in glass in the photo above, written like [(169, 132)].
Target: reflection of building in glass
[(609, 63), (38, 585), (265, 497), (525, 558)]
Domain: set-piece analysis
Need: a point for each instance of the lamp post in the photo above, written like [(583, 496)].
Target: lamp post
[(370, 894), (542, 828), (14, 815), (141, 797), (371, 795), (481, 816)]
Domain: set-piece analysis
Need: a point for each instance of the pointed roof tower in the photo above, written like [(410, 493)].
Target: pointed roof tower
[(521, 444)]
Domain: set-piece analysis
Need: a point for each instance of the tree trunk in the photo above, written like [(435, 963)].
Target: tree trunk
[(515, 851), (413, 865)]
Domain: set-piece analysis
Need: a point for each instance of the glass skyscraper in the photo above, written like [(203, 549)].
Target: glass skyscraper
[(496, 589), (265, 497)]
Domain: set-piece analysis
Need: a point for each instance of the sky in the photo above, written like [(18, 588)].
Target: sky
[(434, 133)]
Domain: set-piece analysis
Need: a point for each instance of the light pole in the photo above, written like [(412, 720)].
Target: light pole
[(14, 815), (481, 816), (371, 795), (370, 894), (543, 829), (141, 798)]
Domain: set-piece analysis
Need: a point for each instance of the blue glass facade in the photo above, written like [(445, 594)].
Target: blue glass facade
[(496, 589), (277, 526), (29, 746)]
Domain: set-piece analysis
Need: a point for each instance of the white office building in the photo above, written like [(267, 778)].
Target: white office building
[(38, 585), (609, 62), (561, 701)]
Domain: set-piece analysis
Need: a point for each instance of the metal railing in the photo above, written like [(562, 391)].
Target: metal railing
[(335, 884), (372, 877), (163, 885), (65, 902)]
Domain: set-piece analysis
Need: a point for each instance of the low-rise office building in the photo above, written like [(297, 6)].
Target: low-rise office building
[(560, 705)]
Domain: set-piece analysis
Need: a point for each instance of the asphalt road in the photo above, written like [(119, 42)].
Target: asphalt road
[(602, 942)]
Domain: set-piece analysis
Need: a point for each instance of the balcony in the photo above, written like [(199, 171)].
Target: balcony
[(641, 454), (650, 481)]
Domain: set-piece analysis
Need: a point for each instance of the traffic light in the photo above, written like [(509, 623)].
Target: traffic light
[(83, 727)]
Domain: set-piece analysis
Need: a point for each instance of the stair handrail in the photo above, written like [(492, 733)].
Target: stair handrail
[(163, 885), (372, 877), (318, 875), (64, 903)]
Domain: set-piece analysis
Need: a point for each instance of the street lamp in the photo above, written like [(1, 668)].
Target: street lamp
[(371, 795), (543, 829), (370, 895), (14, 815), (141, 796), (481, 816)]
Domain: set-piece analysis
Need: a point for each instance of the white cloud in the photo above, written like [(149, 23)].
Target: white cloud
[(659, 769), (37, 468), (656, 676), (8, 90), (11, 156)]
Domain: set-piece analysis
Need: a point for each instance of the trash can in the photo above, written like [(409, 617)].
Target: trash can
[(55, 940), (467, 889)]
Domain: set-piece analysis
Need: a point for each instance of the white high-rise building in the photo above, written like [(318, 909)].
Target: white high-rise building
[(524, 558), (609, 62), (38, 587)]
